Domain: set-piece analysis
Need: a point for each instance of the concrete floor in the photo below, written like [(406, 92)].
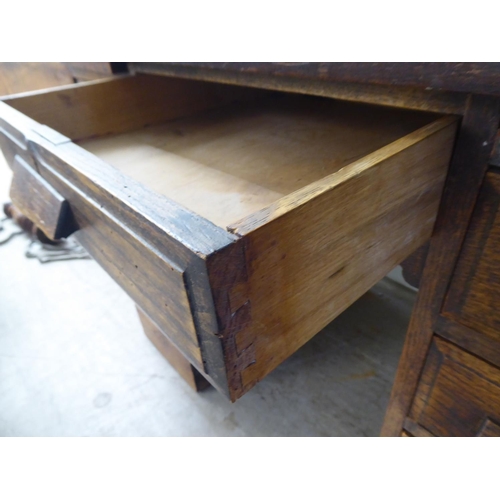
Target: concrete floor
[(74, 362)]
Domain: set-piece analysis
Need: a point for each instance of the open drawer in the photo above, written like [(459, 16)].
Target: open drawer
[(240, 221)]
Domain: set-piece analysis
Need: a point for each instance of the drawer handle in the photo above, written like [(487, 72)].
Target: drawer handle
[(40, 202)]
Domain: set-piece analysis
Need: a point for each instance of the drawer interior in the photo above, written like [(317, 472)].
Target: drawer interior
[(235, 153), (227, 163)]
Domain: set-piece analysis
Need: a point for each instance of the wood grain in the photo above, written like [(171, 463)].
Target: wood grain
[(480, 343), (150, 277), (121, 103), (474, 292), (468, 166), (152, 265), (478, 78), (15, 131), (229, 163), (458, 393), (358, 170), (315, 252)]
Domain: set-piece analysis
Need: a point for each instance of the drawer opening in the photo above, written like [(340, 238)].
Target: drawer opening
[(226, 164), (222, 151)]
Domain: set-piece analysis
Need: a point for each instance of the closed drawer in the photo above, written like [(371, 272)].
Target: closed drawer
[(240, 221), (458, 394), (474, 292)]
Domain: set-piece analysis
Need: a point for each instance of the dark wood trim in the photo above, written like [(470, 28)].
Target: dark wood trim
[(40, 202), (495, 157), (228, 277), (471, 340), (467, 170), (383, 95), (477, 78), (481, 225)]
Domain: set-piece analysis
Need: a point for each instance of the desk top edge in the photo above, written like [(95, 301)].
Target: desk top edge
[(476, 78)]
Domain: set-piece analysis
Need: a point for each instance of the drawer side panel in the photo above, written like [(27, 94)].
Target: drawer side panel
[(310, 262)]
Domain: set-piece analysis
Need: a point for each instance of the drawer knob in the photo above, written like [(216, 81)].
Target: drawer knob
[(40, 202)]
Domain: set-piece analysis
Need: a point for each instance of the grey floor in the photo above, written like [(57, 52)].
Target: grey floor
[(74, 362)]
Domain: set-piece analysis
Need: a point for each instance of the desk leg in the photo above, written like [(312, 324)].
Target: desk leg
[(467, 170), (183, 367)]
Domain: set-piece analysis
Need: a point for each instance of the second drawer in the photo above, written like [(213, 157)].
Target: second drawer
[(458, 394)]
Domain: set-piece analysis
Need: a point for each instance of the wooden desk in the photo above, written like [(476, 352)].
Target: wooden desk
[(448, 374), (447, 380)]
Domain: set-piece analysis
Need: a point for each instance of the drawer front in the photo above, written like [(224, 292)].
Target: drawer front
[(474, 293), (458, 394), (154, 249), (150, 277), (236, 300)]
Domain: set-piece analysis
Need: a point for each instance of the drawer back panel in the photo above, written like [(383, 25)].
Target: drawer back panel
[(121, 104)]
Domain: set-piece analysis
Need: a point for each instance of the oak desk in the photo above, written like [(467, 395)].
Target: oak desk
[(202, 281)]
